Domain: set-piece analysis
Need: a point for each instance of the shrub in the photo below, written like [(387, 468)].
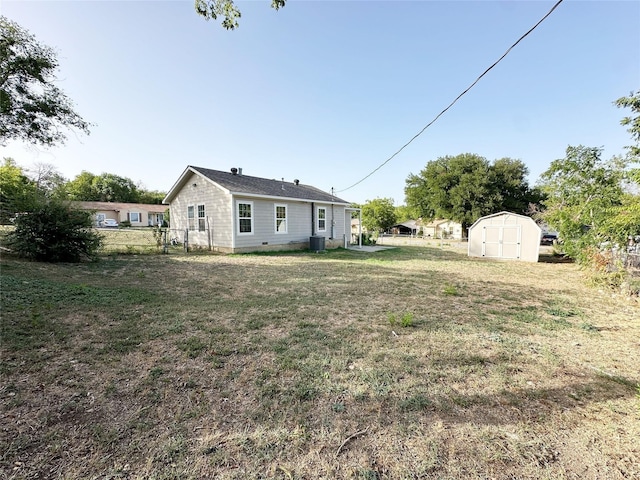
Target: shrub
[(55, 232), (368, 239)]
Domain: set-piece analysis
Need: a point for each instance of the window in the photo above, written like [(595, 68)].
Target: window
[(191, 218), (245, 218), (134, 217), (281, 219), (201, 219), (322, 219)]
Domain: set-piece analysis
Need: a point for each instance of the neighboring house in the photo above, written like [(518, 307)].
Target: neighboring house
[(505, 235), (231, 212), (410, 227), (442, 228), (139, 214)]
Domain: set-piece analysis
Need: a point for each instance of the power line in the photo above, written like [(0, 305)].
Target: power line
[(454, 101)]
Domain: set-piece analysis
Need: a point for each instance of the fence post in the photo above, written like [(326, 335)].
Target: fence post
[(165, 246)]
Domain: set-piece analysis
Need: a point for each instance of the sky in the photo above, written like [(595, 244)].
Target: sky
[(326, 91)]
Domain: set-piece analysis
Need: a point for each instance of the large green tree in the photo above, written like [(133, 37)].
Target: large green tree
[(212, 9), (404, 213), (106, 187), (32, 108), (583, 191), (513, 193), (81, 187), (114, 188), (153, 197), (466, 187), (378, 214)]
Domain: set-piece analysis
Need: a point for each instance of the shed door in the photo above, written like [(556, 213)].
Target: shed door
[(501, 241)]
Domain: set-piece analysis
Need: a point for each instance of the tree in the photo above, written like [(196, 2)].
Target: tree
[(81, 187), (32, 108), (509, 179), (17, 191), (212, 9), (152, 197), (582, 192), (404, 213), (457, 188), (55, 232), (105, 187), (378, 215), (466, 187), (113, 188), (632, 102), (48, 180)]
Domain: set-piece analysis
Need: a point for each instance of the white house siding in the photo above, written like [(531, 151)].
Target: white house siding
[(217, 205), (299, 227), (450, 229), (335, 225), (222, 220), (264, 220)]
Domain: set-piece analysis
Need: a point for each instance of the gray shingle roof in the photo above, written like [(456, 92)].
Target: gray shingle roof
[(240, 183)]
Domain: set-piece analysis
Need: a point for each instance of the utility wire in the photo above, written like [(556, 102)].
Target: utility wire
[(456, 99)]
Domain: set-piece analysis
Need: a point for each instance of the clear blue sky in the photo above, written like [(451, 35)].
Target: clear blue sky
[(325, 91)]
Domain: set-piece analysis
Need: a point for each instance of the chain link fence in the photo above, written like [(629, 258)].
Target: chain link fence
[(148, 240), (627, 258), (135, 240)]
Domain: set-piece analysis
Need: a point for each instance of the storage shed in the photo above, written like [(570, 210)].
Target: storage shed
[(506, 236)]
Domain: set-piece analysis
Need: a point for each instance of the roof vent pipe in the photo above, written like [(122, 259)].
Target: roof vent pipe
[(240, 171), (234, 171)]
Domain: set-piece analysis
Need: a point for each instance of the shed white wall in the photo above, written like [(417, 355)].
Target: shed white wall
[(505, 236)]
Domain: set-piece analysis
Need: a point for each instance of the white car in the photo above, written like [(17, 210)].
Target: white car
[(109, 222)]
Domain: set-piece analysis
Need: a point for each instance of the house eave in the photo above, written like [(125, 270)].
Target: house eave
[(182, 180), (288, 199)]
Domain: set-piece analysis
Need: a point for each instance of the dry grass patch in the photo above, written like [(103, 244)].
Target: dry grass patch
[(406, 363)]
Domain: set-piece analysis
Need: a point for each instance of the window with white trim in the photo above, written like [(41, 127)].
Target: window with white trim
[(191, 218), (245, 218), (201, 219), (281, 218), (134, 217), (322, 219)]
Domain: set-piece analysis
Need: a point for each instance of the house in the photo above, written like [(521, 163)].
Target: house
[(139, 214), (505, 235), (442, 228), (410, 227), (232, 212)]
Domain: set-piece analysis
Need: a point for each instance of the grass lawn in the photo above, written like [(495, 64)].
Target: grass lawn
[(408, 363)]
